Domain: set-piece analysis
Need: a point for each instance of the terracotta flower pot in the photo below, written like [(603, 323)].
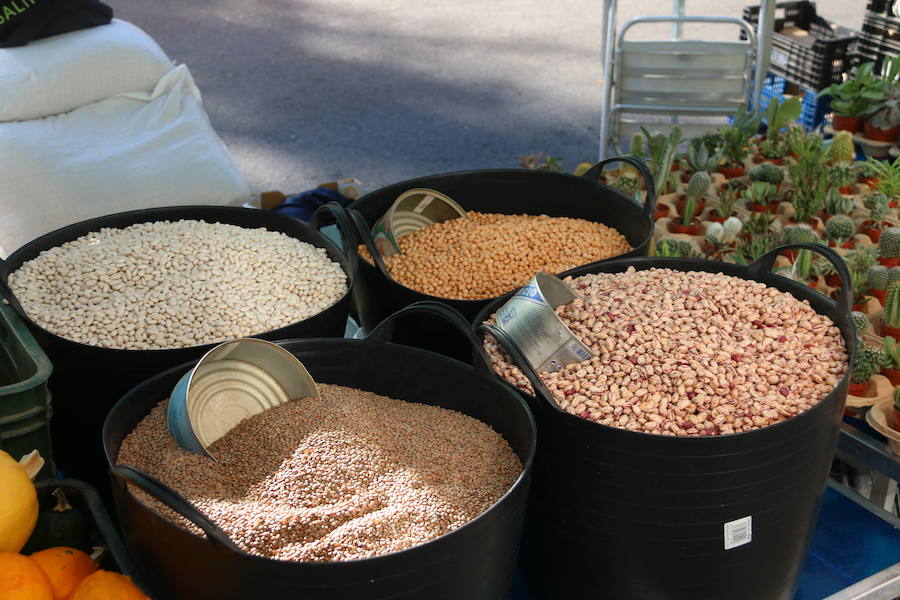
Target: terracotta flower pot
[(833, 280), (872, 182), (660, 211), (685, 178), (880, 295), (881, 135), (714, 218), (888, 331), (847, 190), (731, 173), (858, 306), (775, 161), (851, 124), (694, 228), (676, 166), (681, 202), (873, 232), (892, 374), (848, 244), (858, 389), (814, 283), (888, 262)]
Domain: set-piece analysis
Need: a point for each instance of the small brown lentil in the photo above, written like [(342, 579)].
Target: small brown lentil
[(350, 476), (689, 353), (489, 254)]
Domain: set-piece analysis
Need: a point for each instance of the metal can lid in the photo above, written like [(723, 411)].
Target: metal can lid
[(410, 212), (531, 321), (233, 381)]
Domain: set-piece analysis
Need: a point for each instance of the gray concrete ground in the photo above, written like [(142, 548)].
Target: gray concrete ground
[(306, 91)]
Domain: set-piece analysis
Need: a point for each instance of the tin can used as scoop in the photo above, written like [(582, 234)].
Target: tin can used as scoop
[(410, 212), (233, 381), (529, 319)]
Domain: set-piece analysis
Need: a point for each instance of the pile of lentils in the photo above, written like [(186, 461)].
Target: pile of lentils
[(487, 255), (352, 475), (689, 353), (175, 284)]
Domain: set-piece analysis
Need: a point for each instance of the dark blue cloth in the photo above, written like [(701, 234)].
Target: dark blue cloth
[(301, 206)]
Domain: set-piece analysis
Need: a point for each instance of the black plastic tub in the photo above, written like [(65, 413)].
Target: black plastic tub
[(475, 562), (87, 380), (621, 514), (505, 191)]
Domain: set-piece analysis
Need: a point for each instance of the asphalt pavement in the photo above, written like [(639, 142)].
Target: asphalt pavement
[(308, 91)]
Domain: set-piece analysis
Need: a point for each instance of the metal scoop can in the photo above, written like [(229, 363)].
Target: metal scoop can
[(530, 320), (410, 212), (233, 381)]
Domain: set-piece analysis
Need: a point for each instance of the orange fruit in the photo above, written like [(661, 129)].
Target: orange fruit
[(106, 585), (65, 568), (22, 579)]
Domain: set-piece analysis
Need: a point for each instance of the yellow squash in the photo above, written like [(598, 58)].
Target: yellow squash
[(18, 500)]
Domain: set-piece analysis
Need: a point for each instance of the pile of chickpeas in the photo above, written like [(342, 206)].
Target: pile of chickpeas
[(487, 255)]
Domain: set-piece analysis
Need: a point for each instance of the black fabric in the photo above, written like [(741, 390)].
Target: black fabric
[(24, 20)]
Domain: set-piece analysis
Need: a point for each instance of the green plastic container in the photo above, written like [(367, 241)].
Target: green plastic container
[(24, 398)]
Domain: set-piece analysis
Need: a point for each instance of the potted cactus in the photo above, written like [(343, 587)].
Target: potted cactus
[(672, 248), (806, 202), (869, 172), (839, 231), (836, 204), (767, 172), (797, 234), (703, 154), (887, 175), (698, 186), (721, 238), (889, 247), (890, 368), (890, 318), (841, 150), (868, 362), (660, 153), (690, 208), (882, 122), (760, 197), (735, 142), (728, 198), (880, 279), (628, 184), (877, 205), (843, 177)]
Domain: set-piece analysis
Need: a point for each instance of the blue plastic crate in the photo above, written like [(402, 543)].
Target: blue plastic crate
[(814, 109)]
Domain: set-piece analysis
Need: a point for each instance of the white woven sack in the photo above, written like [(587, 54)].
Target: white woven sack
[(61, 73), (136, 150)]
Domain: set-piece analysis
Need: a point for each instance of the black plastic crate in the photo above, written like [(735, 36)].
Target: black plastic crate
[(814, 61), (879, 39), (100, 530), (883, 8)]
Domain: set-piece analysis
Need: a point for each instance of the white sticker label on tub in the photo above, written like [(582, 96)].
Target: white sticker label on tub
[(738, 533)]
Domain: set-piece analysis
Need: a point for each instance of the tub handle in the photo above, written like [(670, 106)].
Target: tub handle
[(345, 226), (518, 357), (176, 502), (364, 235), (6, 291), (384, 331), (763, 265), (650, 201)]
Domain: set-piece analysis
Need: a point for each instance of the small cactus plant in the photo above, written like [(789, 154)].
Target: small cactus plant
[(838, 204), (839, 229), (877, 277), (841, 149), (799, 234), (869, 361), (637, 145), (698, 185), (842, 175), (860, 321), (891, 316), (760, 192), (766, 172), (893, 276), (889, 243), (877, 205), (803, 265), (669, 247), (627, 184), (891, 353)]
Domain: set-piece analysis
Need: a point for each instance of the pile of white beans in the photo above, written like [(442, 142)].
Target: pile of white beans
[(164, 284)]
